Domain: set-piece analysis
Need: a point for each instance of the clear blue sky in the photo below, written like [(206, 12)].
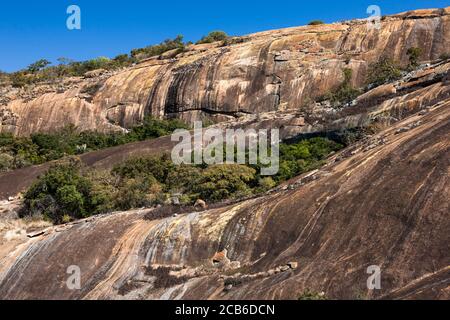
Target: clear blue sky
[(30, 30)]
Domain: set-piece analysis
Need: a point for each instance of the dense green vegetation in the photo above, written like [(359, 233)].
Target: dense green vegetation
[(383, 71), (18, 152), (69, 191), (414, 54), (156, 50), (43, 71), (386, 70), (444, 56), (345, 92), (61, 194), (303, 156)]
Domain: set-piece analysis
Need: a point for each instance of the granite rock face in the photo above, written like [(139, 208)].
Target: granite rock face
[(269, 71), (383, 202)]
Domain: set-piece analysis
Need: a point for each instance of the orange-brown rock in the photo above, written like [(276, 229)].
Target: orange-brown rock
[(382, 201), (270, 71), (385, 205)]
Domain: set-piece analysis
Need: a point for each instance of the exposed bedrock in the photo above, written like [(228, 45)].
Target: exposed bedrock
[(383, 201), (271, 71)]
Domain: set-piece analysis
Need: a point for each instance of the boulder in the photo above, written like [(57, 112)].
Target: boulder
[(300, 122), (220, 259), (200, 204), (284, 268)]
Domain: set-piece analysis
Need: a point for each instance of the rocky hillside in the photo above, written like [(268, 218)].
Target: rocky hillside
[(269, 71), (381, 202)]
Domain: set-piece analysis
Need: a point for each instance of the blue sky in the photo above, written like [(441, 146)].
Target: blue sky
[(30, 30)]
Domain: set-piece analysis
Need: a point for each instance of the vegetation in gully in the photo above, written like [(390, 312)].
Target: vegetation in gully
[(18, 152), (70, 191)]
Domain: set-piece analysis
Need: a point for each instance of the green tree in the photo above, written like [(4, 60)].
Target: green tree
[(103, 192), (138, 192), (60, 192), (38, 65), (226, 181), (183, 178), (383, 71), (158, 49), (345, 92), (213, 37), (65, 61), (414, 54), (6, 162)]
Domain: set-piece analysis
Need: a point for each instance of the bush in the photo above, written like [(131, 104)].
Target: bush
[(156, 50), (266, 184), (383, 71), (41, 71), (103, 193), (233, 40), (154, 166), (219, 182), (20, 79), (213, 37), (444, 56), (154, 128), (4, 78), (315, 22), (138, 192), (141, 181), (68, 192), (345, 92), (348, 137), (42, 147), (38, 65), (122, 60), (183, 179), (59, 193), (6, 162), (303, 156), (22, 150)]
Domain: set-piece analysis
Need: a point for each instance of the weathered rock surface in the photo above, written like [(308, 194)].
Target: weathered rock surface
[(386, 205), (383, 201), (415, 92), (270, 71)]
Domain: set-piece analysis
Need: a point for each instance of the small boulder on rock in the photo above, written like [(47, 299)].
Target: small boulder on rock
[(220, 259), (200, 204)]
